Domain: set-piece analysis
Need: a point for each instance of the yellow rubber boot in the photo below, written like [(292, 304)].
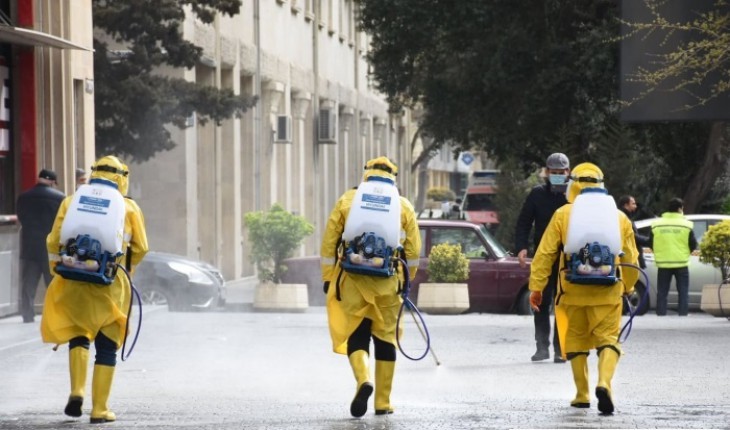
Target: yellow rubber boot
[(359, 361), (78, 363), (384, 371), (607, 360), (579, 364), (101, 386)]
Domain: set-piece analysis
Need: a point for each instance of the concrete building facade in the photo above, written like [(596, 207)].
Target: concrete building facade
[(317, 121)]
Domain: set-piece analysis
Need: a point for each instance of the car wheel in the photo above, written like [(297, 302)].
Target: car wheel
[(154, 297), (523, 303)]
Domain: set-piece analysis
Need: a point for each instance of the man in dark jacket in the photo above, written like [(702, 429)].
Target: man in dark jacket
[(37, 210), (537, 209), (627, 204)]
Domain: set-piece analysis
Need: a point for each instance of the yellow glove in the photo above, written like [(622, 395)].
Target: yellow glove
[(535, 300)]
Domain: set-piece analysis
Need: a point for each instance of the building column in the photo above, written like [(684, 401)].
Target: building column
[(273, 95), (379, 146), (343, 163), (327, 197), (363, 141), (303, 177)]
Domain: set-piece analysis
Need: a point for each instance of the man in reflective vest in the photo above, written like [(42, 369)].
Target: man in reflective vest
[(673, 241)]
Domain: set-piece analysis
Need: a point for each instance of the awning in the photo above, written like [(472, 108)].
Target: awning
[(27, 37)]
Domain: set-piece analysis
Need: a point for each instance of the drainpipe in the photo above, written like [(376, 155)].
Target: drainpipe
[(318, 209), (257, 109), (27, 86)]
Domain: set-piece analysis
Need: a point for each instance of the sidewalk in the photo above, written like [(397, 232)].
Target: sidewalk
[(240, 294)]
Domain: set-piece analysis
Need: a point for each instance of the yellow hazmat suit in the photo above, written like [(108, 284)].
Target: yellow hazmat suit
[(74, 309), (588, 316), (373, 301)]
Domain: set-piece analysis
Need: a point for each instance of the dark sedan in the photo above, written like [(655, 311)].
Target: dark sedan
[(179, 283), (496, 282)]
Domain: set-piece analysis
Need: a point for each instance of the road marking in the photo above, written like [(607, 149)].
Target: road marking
[(19, 344)]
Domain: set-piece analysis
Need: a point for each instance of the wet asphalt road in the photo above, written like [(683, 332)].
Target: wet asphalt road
[(250, 370)]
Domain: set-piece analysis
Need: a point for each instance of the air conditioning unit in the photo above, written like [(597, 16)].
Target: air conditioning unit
[(283, 129), (327, 125)]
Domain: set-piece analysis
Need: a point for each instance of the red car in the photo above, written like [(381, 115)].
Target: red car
[(497, 283)]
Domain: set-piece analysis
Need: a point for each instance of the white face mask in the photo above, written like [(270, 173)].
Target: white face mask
[(558, 179), (558, 183)]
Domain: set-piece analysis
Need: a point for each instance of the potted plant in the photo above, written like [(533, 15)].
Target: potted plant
[(715, 250), (274, 236), (446, 291)]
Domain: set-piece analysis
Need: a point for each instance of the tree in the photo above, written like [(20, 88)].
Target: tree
[(519, 80), (695, 67), (133, 102)]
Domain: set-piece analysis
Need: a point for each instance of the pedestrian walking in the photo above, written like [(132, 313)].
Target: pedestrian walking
[(589, 237), (363, 280), (672, 240), (538, 208), (36, 209), (80, 306), (627, 205), (80, 177)]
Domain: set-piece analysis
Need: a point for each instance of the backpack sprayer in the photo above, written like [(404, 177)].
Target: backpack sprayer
[(592, 265), (82, 259), (368, 254)]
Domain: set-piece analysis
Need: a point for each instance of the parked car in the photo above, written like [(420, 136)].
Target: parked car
[(699, 273), (496, 282), (430, 214), (179, 283)]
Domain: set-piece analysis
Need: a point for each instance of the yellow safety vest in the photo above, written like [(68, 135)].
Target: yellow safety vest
[(671, 240)]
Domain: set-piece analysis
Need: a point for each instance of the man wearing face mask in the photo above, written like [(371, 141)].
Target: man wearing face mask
[(537, 209)]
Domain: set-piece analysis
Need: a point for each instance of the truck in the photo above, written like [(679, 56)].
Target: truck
[(478, 203)]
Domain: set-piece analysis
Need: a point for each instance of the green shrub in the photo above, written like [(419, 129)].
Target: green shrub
[(274, 236), (715, 247), (440, 194), (447, 263)]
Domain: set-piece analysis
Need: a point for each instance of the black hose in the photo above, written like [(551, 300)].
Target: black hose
[(633, 311), (407, 303), (129, 314)]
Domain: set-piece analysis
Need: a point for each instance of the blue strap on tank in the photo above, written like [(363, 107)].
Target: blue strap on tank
[(381, 179)]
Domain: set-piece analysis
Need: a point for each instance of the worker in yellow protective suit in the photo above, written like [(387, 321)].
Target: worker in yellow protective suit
[(588, 316), (79, 312), (361, 306)]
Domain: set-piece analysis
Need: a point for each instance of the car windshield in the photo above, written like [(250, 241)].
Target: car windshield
[(497, 247), (479, 202)]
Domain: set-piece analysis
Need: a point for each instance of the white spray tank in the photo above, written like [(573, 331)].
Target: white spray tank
[(593, 218), (375, 208), (97, 209)]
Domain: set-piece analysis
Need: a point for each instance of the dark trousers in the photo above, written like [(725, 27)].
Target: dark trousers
[(664, 281), (360, 340), (542, 318), (30, 273)]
